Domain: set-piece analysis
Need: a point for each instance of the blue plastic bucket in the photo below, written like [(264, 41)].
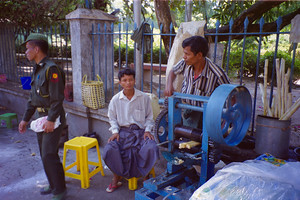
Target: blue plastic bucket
[(26, 80)]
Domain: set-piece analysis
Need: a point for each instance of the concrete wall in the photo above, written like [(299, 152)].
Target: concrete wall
[(80, 119), (13, 97)]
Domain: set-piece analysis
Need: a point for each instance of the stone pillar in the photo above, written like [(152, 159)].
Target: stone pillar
[(81, 21), (138, 53)]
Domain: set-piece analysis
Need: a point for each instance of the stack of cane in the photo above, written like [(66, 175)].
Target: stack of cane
[(282, 106)]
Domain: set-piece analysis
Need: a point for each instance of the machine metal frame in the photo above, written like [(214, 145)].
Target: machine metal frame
[(178, 181)]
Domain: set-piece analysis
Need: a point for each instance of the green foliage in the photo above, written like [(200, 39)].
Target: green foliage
[(147, 11), (280, 54), (53, 51), (32, 13), (250, 59), (284, 9), (29, 14), (156, 56), (101, 4), (201, 10), (57, 51), (123, 54), (249, 62), (225, 10)]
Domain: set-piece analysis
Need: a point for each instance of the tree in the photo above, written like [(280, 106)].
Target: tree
[(238, 10), (146, 7), (254, 13), (101, 5), (163, 16), (32, 13)]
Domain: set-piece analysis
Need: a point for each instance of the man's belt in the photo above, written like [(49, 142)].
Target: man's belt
[(132, 127), (40, 109)]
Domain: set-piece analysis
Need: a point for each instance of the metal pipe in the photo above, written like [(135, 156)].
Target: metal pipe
[(216, 41), (188, 11), (229, 45), (191, 97), (261, 24), (187, 132), (162, 143), (187, 106), (246, 22), (138, 60)]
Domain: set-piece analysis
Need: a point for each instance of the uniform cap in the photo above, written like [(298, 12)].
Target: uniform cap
[(36, 36)]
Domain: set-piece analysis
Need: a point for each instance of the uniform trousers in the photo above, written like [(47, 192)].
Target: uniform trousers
[(48, 145)]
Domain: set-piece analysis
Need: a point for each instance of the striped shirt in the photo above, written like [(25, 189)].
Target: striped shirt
[(210, 78)]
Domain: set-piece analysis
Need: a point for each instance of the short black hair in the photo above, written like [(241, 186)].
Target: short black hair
[(126, 71), (43, 45), (197, 44)]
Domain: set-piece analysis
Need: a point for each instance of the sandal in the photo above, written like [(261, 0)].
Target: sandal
[(112, 188)]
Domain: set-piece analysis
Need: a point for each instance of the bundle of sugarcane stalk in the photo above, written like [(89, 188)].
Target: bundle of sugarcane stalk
[(282, 106)]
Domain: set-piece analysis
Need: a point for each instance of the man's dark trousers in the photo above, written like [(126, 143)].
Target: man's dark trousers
[(48, 144)]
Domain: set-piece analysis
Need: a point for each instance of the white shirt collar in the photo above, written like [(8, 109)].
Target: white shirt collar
[(136, 94)]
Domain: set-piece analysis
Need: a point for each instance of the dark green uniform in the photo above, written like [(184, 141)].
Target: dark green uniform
[(46, 96)]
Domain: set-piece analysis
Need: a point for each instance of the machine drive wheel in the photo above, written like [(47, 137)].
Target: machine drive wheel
[(161, 127), (228, 114)]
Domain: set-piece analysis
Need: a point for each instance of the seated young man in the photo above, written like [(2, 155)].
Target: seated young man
[(131, 150)]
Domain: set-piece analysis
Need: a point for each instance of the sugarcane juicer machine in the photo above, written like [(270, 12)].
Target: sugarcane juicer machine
[(226, 118)]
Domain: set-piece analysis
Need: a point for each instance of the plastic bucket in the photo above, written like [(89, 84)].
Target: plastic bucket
[(26, 80), (272, 136)]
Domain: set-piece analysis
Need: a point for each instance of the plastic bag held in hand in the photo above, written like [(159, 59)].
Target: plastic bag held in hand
[(37, 125)]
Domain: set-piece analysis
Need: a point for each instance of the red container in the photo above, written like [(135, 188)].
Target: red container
[(3, 78), (69, 91)]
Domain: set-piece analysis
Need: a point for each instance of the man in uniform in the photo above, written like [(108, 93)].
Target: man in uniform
[(46, 97)]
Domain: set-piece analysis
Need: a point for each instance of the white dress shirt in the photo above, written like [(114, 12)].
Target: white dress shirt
[(124, 112)]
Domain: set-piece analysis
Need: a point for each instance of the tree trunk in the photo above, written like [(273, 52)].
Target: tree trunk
[(101, 5), (254, 13), (163, 16)]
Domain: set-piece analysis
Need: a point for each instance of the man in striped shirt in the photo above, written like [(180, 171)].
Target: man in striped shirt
[(201, 76)]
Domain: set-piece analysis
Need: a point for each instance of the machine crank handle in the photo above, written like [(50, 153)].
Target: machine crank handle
[(195, 156), (162, 143)]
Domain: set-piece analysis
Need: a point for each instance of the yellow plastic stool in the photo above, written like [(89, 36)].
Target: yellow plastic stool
[(132, 182), (81, 145), (8, 117)]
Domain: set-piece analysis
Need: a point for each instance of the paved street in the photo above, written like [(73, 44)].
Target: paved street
[(22, 173)]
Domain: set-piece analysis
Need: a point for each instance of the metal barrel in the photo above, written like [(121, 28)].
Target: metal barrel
[(272, 136)]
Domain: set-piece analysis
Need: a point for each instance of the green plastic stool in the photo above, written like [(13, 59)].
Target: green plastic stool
[(8, 117)]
